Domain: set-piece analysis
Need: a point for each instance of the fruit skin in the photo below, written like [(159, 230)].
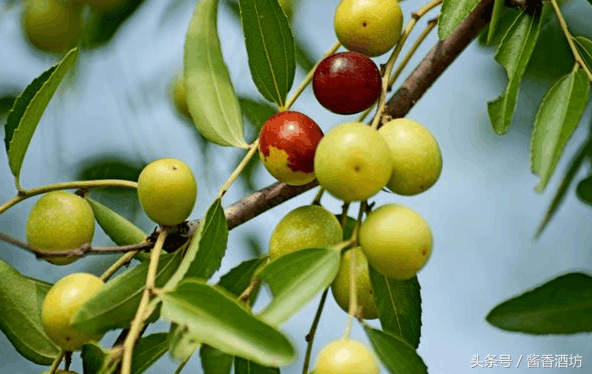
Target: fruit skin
[(371, 27), (58, 221), (396, 240), (167, 191), (347, 82), (287, 146), (346, 357), (364, 290), (353, 162), (179, 94), (309, 226), (63, 300), (51, 25), (417, 159)]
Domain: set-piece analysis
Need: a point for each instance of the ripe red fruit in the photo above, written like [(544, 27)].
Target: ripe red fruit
[(347, 82), (287, 145)]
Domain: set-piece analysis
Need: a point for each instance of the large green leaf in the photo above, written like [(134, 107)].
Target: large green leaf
[(513, 54), (182, 344), (235, 331), (584, 190), (398, 356), (270, 47), (213, 361), (584, 46), (211, 98), (561, 306), (242, 366), (207, 247), (149, 349), (115, 305), (28, 109), (295, 279), (20, 315), (496, 14), (452, 15), (399, 306), (119, 229), (558, 116)]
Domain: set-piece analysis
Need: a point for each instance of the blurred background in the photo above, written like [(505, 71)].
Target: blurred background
[(116, 113)]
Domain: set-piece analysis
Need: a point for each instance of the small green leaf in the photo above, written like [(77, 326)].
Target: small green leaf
[(20, 315), (348, 229), (584, 46), (102, 25), (211, 98), (498, 8), (584, 190), (148, 350), (557, 118), (295, 279), (115, 305), (399, 306), (270, 47), (239, 278), (95, 360), (236, 331), (453, 14), (213, 361), (398, 356), (504, 23), (207, 247), (513, 54), (119, 229), (28, 109), (242, 366), (560, 306), (182, 344)]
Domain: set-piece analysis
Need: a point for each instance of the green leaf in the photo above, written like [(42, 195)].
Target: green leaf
[(513, 54), (498, 8), (584, 190), (399, 306), (182, 344), (211, 99), (504, 23), (207, 247), (560, 306), (257, 112), (576, 162), (398, 356), (28, 109), (102, 25), (20, 315), (115, 305), (236, 331), (584, 47), (148, 350), (242, 366), (95, 360), (295, 279), (348, 229), (213, 361), (558, 116), (239, 278), (452, 14), (270, 47), (119, 229)]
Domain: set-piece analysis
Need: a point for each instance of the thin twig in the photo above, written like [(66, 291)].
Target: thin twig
[(313, 329)]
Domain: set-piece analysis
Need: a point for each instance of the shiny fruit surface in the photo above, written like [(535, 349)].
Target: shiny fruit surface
[(58, 221), (417, 159), (309, 226), (353, 162), (347, 82), (371, 27), (180, 96), (62, 301), (396, 240), (287, 146), (346, 357), (51, 25), (167, 191), (364, 291)]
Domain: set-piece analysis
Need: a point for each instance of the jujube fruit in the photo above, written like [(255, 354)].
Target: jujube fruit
[(347, 82), (179, 95), (396, 240), (287, 145), (346, 357), (60, 220), (51, 25)]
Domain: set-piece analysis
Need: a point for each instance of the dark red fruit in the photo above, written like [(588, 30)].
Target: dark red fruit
[(287, 145), (347, 82)]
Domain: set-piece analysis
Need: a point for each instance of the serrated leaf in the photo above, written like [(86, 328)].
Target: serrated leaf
[(242, 366), (513, 54), (584, 46), (270, 48), (28, 109), (498, 8), (295, 279), (182, 344), (147, 350), (560, 306), (399, 306), (20, 315), (197, 305), (557, 118), (452, 14), (584, 190), (207, 247), (95, 360), (213, 361), (115, 305), (119, 229), (211, 98), (398, 356)]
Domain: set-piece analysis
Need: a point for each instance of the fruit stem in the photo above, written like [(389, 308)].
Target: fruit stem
[(126, 258), (103, 183), (307, 79), (318, 197), (252, 150), (56, 362), (313, 329), (353, 295), (138, 322), (344, 210), (182, 365)]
